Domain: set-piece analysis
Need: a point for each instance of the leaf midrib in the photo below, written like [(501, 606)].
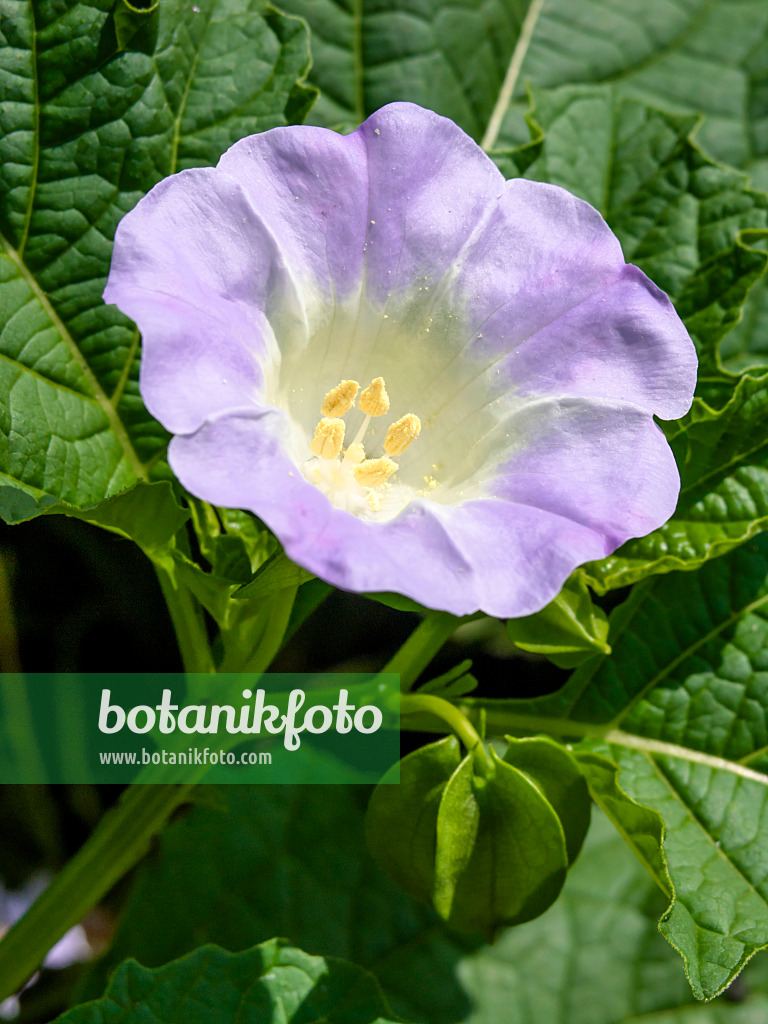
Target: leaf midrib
[(35, 134), (720, 852), (97, 392), (357, 57), (16, 256), (519, 52), (684, 655), (723, 468)]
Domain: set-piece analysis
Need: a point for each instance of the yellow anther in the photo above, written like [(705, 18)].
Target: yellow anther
[(328, 439), (374, 400), (374, 472), (401, 433), (355, 452), (340, 399)]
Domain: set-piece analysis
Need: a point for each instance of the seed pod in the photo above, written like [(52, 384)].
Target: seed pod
[(487, 843)]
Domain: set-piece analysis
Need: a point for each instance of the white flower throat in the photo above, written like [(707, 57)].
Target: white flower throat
[(347, 477)]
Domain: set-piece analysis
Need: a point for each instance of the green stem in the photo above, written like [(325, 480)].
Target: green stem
[(500, 721), (123, 835), (9, 641), (187, 618), (459, 724), (421, 647), (118, 844)]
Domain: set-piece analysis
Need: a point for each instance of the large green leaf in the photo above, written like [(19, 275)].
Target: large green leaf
[(266, 985), (687, 56), (98, 106), (148, 514), (682, 705), (451, 58), (595, 957)]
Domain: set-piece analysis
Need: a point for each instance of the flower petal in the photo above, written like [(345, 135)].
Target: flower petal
[(507, 555), (624, 342), (542, 252), (308, 187), (430, 188), (606, 466), (192, 269)]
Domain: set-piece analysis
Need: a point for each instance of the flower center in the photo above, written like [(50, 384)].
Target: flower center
[(348, 478)]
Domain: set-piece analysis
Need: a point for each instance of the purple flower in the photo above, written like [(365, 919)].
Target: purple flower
[(499, 317)]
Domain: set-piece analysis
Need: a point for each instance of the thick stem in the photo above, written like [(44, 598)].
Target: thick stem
[(118, 844), (187, 618), (421, 647)]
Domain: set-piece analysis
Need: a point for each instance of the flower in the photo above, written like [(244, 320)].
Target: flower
[(72, 948), (316, 294)]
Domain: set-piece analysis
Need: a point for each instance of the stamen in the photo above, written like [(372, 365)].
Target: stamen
[(359, 436), (374, 472), (374, 401), (328, 439), (355, 453), (401, 433), (340, 399)]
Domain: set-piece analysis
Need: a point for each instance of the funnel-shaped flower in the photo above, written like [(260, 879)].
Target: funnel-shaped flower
[(423, 378)]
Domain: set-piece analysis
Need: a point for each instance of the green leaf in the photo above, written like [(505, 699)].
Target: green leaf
[(686, 56), (569, 630), (92, 119), (745, 348), (641, 828), (715, 837), (722, 455), (682, 708), (451, 59), (131, 19), (399, 602), (273, 982), (148, 514), (596, 957), (276, 574)]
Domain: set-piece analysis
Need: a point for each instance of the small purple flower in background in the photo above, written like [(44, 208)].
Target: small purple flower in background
[(72, 948), (422, 377)]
